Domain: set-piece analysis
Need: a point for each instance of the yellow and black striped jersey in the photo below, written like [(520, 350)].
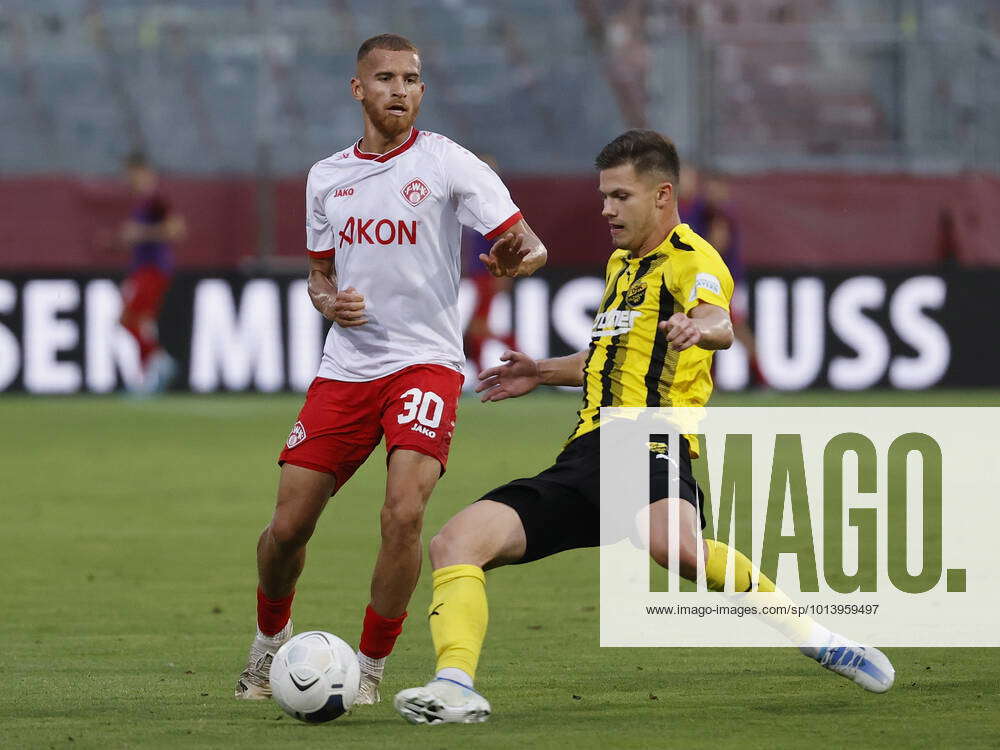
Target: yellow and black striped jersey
[(630, 363)]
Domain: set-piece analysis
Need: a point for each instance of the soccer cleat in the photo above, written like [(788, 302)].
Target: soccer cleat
[(442, 701), (157, 377), (864, 665), (371, 676), (254, 681), (163, 370)]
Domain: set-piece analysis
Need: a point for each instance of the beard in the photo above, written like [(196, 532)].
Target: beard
[(389, 125)]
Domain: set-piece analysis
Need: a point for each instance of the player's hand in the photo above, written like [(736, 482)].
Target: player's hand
[(506, 255), (519, 376), (531, 262), (348, 309), (681, 331)]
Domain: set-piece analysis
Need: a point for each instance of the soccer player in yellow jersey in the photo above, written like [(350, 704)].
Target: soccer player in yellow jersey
[(664, 310)]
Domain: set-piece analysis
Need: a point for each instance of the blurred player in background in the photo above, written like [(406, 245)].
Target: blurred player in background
[(150, 231), (704, 205), (487, 288), (665, 310), (383, 231)]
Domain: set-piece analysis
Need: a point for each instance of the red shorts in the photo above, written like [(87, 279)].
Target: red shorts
[(143, 292), (341, 421)]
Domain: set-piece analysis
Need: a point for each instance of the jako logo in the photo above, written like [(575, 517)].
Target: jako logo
[(424, 430), (415, 191), (342, 192), (378, 231)]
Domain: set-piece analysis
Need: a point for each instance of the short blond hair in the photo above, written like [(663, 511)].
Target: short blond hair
[(391, 42)]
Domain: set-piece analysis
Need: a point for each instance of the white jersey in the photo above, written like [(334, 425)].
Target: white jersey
[(392, 223)]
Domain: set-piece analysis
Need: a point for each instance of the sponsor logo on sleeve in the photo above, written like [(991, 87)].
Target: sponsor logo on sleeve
[(705, 281)]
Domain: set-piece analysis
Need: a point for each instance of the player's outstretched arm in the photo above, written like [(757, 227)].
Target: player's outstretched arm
[(521, 374), (518, 252), (345, 307), (706, 326)]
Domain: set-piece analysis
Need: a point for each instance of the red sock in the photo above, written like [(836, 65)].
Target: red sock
[(379, 634), (273, 614), (144, 334)]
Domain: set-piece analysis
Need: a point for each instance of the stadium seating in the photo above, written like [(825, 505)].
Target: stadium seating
[(813, 83)]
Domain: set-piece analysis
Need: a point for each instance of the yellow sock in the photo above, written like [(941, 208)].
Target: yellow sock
[(458, 615), (800, 629), (715, 570)]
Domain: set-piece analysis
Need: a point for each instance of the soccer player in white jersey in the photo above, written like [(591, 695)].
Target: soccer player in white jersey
[(383, 231)]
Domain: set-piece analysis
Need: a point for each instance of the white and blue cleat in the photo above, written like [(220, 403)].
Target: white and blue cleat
[(442, 701), (863, 665)]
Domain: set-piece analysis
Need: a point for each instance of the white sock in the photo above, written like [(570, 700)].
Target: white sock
[(371, 667), (455, 675), (820, 638), (278, 638)]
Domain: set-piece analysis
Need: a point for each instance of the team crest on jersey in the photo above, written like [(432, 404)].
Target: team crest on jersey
[(636, 294), (297, 436), (415, 191)]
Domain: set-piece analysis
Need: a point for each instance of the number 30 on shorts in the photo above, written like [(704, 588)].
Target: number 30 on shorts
[(424, 406)]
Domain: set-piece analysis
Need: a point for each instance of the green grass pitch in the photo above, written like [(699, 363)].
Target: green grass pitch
[(127, 533)]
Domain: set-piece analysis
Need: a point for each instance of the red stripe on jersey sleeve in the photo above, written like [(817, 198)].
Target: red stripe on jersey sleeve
[(493, 234), (321, 253)]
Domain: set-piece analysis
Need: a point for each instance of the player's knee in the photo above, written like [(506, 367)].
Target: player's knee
[(402, 520), (451, 547), (438, 548), (444, 548), (289, 533)]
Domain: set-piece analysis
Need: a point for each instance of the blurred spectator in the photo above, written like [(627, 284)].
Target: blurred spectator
[(619, 36), (148, 234), (704, 205)]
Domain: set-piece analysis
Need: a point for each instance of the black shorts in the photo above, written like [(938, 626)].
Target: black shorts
[(560, 507)]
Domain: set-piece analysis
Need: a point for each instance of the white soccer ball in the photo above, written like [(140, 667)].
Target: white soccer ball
[(315, 677)]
